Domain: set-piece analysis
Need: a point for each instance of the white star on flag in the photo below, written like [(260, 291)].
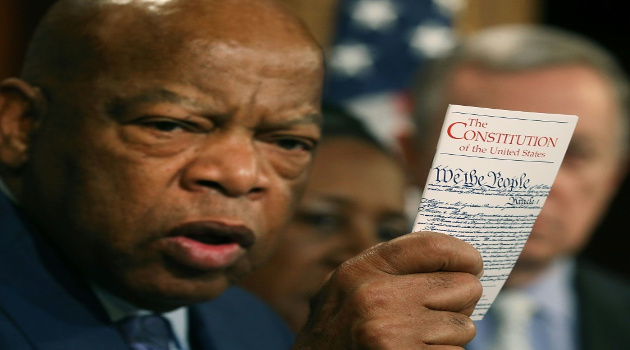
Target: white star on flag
[(351, 59), (450, 7), (432, 39), (374, 14)]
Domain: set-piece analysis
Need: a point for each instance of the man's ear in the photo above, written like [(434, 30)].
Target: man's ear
[(22, 107)]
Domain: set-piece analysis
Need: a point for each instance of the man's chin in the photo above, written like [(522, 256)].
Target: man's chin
[(169, 294), (163, 302)]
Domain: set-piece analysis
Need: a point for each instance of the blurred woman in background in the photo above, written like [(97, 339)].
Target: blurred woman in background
[(355, 198)]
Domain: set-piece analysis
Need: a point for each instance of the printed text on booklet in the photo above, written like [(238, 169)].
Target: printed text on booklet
[(491, 175)]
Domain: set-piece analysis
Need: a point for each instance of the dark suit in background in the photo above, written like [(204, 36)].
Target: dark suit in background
[(604, 303)]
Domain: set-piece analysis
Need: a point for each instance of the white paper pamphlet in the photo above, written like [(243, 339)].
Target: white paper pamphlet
[(491, 175)]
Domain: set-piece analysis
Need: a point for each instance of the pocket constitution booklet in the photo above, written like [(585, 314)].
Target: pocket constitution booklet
[(491, 174)]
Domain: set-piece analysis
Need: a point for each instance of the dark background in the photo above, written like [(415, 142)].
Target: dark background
[(607, 22)]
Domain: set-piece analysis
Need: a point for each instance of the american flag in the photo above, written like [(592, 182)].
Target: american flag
[(377, 48)]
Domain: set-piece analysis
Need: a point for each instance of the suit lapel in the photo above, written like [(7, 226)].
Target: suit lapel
[(237, 320), (43, 297), (201, 330)]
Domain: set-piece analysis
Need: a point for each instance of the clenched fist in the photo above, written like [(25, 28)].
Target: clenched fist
[(414, 292)]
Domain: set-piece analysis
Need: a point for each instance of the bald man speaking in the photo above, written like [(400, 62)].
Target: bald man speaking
[(150, 153)]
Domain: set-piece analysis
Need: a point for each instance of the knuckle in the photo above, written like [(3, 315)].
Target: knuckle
[(374, 335), (478, 261), (468, 288), (388, 247), (476, 288), (469, 281), (346, 273), (471, 287), (436, 241), (441, 280), (370, 297), (466, 327), (377, 259)]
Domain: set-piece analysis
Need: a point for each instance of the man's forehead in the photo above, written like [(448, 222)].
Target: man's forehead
[(118, 106)]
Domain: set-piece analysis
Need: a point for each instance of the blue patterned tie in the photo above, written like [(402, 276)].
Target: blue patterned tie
[(149, 332)]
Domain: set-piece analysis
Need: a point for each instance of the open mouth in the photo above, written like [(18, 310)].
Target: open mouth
[(207, 245), (213, 233), (214, 240)]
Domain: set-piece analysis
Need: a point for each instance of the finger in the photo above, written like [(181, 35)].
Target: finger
[(449, 291), (421, 252), (451, 328), (414, 294), (410, 332)]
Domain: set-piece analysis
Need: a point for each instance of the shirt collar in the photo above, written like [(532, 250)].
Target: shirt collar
[(552, 291), (117, 309)]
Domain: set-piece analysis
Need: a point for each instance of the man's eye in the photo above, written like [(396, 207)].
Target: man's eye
[(295, 144), (168, 124), (164, 125)]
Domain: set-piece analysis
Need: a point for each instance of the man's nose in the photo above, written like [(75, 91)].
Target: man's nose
[(229, 163)]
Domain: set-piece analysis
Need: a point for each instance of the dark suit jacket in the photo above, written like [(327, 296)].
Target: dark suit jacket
[(46, 304), (604, 307)]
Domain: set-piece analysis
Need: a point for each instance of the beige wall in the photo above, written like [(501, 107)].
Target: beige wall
[(7, 38), (479, 14), (320, 15)]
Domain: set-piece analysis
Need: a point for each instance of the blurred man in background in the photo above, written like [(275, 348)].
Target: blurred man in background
[(539, 69)]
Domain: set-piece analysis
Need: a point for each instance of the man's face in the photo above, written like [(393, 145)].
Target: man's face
[(592, 168), (164, 181)]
